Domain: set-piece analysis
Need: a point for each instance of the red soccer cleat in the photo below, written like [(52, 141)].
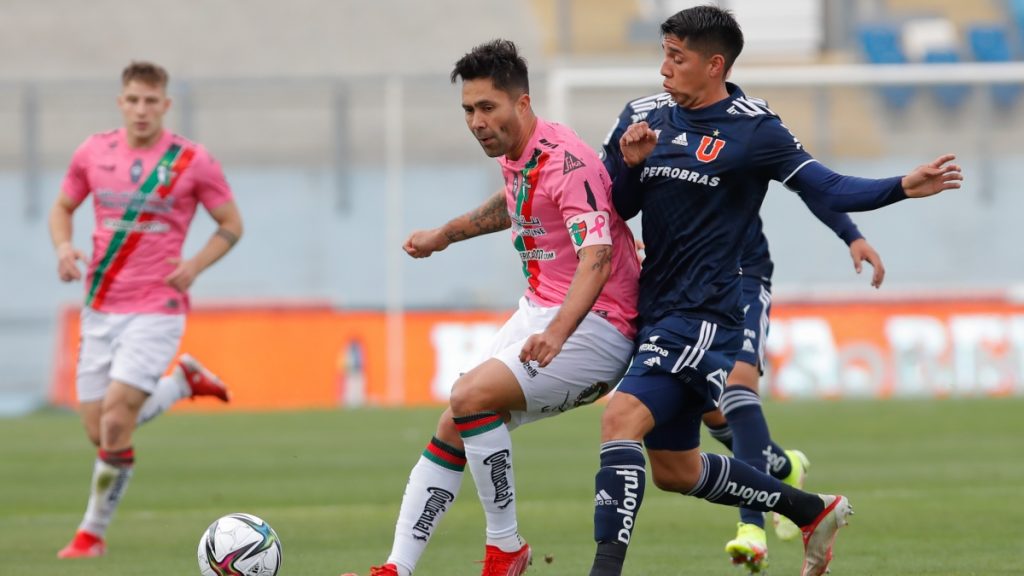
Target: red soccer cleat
[(385, 570), (499, 563), (201, 381), (83, 545)]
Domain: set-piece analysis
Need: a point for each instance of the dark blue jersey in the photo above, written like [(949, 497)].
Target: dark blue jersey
[(700, 191)]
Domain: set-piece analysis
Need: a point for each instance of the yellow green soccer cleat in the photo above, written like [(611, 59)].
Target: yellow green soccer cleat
[(785, 529), (750, 548)]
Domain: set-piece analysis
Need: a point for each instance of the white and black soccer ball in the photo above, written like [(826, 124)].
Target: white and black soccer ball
[(239, 545)]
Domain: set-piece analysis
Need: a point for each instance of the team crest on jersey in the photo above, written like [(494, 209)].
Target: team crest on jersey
[(709, 148), (164, 175), (571, 163), (136, 171), (578, 231)]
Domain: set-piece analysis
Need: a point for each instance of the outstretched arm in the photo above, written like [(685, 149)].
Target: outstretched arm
[(592, 271), (844, 227), (852, 194), (491, 216)]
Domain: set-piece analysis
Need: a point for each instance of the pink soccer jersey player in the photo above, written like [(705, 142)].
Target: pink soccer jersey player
[(144, 200), (559, 201), (146, 183)]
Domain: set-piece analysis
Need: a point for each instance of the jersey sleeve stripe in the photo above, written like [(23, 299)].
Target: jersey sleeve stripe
[(798, 168)]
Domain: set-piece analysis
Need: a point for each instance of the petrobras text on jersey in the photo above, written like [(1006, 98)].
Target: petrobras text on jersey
[(679, 174)]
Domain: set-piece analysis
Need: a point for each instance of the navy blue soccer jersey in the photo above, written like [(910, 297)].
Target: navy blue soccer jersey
[(700, 191)]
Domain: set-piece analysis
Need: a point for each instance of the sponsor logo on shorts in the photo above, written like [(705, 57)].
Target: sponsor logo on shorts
[(651, 346), (530, 370), (434, 507), (591, 394)]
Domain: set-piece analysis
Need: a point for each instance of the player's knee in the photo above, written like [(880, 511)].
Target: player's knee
[(467, 397), (625, 420), (674, 480), (116, 425)]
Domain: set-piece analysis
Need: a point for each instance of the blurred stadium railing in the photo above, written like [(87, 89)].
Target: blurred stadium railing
[(332, 173)]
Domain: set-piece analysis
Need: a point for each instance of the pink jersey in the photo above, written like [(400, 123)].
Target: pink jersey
[(144, 200), (559, 200)]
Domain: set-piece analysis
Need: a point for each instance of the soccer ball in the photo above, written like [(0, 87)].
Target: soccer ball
[(239, 545)]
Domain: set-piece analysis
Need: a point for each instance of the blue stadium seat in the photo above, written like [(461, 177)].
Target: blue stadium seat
[(881, 44), (948, 95), (991, 43), (1016, 9)]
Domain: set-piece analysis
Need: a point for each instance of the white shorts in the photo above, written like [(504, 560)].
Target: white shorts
[(591, 363), (130, 348)]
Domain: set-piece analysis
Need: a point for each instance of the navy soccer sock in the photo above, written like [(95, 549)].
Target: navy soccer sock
[(723, 434), (752, 442), (728, 481), (619, 491)]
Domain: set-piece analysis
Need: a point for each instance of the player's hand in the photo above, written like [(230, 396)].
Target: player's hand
[(860, 251), (640, 250), (423, 243), (930, 179), (541, 347), (184, 274), (636, 143), (67, 262)]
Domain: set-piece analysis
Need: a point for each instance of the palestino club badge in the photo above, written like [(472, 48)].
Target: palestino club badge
[(578, 230)]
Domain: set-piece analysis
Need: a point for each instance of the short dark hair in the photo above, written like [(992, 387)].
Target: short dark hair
[(709, 30), (498, 60), (145, 72)]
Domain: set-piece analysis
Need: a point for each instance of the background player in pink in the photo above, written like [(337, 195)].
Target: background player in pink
[(571, 338), (146, 183)]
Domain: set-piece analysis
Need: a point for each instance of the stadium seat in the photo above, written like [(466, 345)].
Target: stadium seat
[(991, 43), (948, 95), (1016, 10), (881, 45)]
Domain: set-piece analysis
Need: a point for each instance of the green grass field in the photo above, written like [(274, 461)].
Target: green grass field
[(937, 488)]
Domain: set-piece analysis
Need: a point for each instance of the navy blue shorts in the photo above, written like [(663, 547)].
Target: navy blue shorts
[(757, 305), (679, 370)]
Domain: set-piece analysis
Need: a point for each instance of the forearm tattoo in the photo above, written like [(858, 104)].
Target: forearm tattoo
[(230, 237), (492, 216)]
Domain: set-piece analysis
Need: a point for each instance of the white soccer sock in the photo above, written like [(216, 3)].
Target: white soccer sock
[(434, 483), (489, 454), (108, 485), (169, 390)]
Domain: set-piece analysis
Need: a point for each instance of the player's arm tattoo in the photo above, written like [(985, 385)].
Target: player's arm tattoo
[(491, 216), (602, 257), (230, 237)]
